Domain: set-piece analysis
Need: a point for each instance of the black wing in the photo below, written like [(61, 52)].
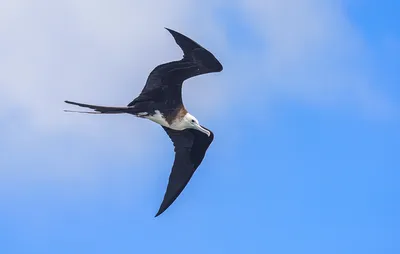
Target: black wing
[(165, 81), (190, 148)]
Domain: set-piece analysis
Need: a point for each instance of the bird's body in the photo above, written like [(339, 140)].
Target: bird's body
[(161, 101)]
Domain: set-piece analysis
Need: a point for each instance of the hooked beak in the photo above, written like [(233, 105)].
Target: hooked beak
[(198, 127)]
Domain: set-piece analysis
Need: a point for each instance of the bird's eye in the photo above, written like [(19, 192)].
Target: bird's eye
[(192, 121)]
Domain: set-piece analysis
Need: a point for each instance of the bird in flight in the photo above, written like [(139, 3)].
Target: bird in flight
[(161, 101)]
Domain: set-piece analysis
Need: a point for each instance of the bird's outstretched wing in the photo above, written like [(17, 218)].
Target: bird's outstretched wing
[(165, 80), (190, 148)]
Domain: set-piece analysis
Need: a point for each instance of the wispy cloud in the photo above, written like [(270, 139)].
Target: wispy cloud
[(93, 51), (312, 53), (101, 52)]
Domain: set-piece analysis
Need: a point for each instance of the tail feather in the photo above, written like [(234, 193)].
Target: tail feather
[(84, 112), (99, 109)]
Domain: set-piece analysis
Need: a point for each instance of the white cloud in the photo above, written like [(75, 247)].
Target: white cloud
[(97, 52), (93, 51), (101, 52), (311, 53)]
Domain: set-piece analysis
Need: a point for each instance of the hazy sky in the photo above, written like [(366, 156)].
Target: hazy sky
[(305, 115)]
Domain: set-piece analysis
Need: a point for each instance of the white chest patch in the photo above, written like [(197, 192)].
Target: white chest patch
[(158, 118)]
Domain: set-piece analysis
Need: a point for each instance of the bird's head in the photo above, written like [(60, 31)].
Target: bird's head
[(189, 121)]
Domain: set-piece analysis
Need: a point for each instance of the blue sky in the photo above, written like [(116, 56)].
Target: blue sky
[(305, 116)]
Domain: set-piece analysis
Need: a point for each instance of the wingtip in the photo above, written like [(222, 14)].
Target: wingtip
[(158, 213), (188, 47), (168, 29), (171, 31), (161, 210), (163, 207)]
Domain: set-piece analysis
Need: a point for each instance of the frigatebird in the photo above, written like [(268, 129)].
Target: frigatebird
[(161, 101)]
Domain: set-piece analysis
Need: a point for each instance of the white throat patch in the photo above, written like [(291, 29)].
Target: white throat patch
[(181, 124)]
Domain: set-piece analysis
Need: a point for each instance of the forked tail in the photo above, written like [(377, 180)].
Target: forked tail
[(100, 109)]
